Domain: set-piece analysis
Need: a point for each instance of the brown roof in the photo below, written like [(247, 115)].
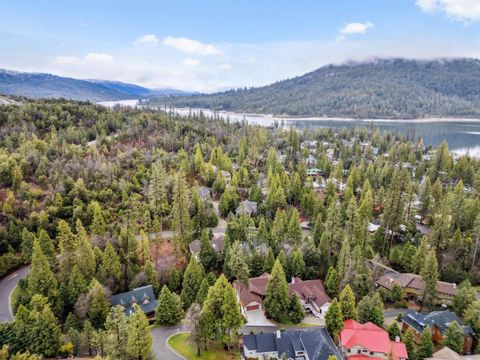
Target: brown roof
[(218, 244), (414, 281), (310, 291), (255, 291)]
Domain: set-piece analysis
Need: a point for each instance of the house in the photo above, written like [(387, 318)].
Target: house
[(372, 228), (369, 342), (311, 344), (413, 287), (205, 193), (311, 293), (310, 160), (314, 172), (142, 296), (438, 322), (448, 354), (226, 175), (247, 207), (218, 244)]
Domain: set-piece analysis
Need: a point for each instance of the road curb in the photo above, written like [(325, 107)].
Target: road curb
[(171, 348)]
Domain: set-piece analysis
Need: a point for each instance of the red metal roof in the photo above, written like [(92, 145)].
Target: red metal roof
[(370, 337)]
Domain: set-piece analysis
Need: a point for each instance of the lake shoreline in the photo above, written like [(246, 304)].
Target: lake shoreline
[(288, 118)]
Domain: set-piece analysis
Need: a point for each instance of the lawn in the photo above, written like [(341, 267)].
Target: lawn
[(14, 296), (182, 344)]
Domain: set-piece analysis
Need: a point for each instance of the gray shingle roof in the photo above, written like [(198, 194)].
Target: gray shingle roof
[(439, 318), (143, 296), (316, 342)]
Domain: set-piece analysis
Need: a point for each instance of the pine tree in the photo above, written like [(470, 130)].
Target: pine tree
[(198, 160), (334, 319), (68, 245), (269, 262), (237, 264), (297, 264), (430, 277), (41, 279), (370, 308), (232, 318), (296, 312), (221, 313), (332, 282), (207, 255), (169, 309), (409, 343), (425, 347), (454, 337), (44, 332), (152, 276), (202, 292), (98, 226), (116, 325), (276, 294), (465, 296), (98, 305), (47, 246), (192, 279), (27, 244), (86, 261), (76, 286), (139, 343), (421, 255), (393, 331), (344, 262), (347, 303), (180, 211), (294, 230), (156, 188), (110, 270), (174, 280)]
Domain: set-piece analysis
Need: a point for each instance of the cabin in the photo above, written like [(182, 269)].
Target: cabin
[(142, 296)]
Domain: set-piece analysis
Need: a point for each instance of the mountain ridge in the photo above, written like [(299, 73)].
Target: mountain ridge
[(379, 88), (45, 85)]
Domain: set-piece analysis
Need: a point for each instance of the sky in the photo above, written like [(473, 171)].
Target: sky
[(211, 45)]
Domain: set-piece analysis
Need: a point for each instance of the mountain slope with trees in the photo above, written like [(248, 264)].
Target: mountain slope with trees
[(38, 85), (395, 88)]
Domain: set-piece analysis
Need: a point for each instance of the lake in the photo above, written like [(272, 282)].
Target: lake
[(462, 135)]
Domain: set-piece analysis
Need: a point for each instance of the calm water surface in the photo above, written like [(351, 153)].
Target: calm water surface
[(462, 135)]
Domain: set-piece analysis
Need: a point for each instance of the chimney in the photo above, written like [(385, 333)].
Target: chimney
[(279, 334), (397, 339)]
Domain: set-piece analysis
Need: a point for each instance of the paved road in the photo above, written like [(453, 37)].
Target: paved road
[(160, 337), (7, 285)]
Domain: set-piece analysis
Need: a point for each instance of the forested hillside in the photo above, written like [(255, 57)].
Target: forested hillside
[(101, 201), (40, 85), (379, 89)]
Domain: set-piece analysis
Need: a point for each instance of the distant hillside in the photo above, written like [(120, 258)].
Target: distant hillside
[(395, 88), (39, 85)]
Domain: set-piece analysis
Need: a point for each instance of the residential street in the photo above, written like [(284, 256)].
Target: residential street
[(160, 336), (7, 285)]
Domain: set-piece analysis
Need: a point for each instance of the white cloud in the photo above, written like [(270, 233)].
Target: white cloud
[(99, 58), (225, 66), (190, 46), (462, 10), (148, 39), (89, 59), (190, 62), (355, 28)]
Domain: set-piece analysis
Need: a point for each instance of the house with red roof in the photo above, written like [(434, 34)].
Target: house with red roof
[(369, 342), (312, 295)]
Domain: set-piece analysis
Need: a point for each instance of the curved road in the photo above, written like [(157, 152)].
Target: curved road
[(7, 285)]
